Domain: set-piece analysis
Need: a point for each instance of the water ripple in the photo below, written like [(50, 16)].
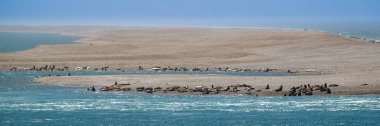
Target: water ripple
[(135, 102)]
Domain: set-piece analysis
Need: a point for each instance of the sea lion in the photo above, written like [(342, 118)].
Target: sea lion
[(279, 89), (299, 93), (93, 88), (157, 89), (149, 90), (328, 91), (105, 88), (126, 89), (267, 87), (308, 93), (292, 91), (364, 84), (140, 89), (333, 85)]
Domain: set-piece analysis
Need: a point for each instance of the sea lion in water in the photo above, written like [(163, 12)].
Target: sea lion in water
[(92, 88)]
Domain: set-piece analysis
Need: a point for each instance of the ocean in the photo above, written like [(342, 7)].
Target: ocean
[(368, 30), (17, 41), (24, 102), (360, 30)]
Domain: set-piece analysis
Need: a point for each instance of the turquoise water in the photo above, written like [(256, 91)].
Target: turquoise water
[(368, 30), (17, 41), (26, 103)]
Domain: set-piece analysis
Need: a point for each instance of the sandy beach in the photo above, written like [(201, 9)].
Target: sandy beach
[(343, 61), (347, 85)]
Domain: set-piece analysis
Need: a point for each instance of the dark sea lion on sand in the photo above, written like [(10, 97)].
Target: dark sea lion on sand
[(279, 89), (267, 87), (364, 84), (140, 89), (328, 91), (149, 90), (333, 85)]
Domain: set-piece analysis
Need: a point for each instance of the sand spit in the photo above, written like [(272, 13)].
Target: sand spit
[(128, 48), (348, 62)]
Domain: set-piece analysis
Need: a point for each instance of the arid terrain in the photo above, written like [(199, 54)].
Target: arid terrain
[(343, 61)]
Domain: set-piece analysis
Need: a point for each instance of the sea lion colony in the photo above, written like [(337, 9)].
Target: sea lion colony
[(301, 90), (140, 68)]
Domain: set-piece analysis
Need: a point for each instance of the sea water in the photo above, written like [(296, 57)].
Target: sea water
[(24, 102), (369, 30), (17, 41)]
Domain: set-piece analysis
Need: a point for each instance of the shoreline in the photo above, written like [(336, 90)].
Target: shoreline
[(370, 40), (190, 84)]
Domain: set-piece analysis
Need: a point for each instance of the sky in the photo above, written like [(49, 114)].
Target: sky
[(186, 12)]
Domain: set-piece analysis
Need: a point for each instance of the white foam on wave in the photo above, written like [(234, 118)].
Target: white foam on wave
[(235, 104)]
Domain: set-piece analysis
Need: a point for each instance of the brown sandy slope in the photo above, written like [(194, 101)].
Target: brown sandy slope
[(347, 61)]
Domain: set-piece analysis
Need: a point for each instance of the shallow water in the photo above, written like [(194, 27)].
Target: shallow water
[(24, 102), (368, 30), (18, 41)]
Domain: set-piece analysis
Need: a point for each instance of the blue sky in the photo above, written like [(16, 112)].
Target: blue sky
[(186, 12)]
